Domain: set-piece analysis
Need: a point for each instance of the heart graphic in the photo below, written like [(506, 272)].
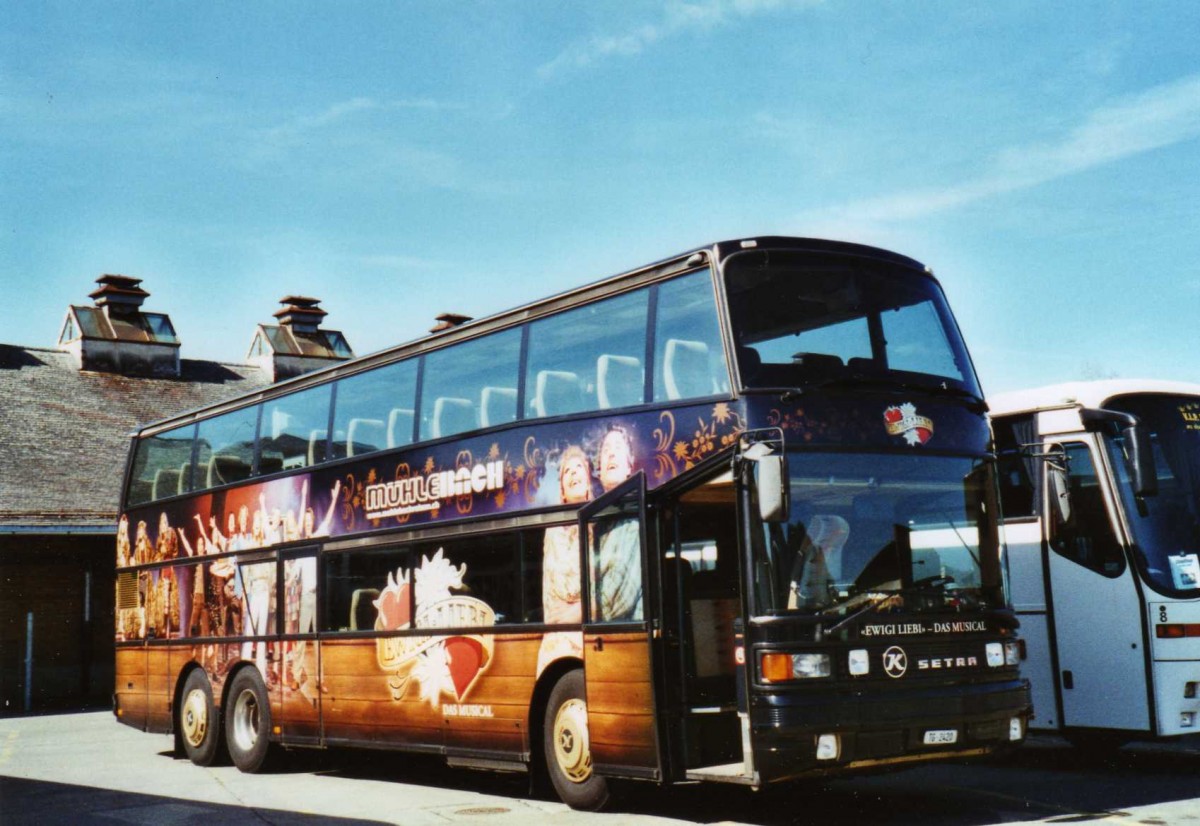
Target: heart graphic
[(465, 660), (892, 415), (924, 434), (394, 608)]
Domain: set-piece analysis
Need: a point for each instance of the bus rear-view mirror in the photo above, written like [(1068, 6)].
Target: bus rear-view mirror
[(772, 488)]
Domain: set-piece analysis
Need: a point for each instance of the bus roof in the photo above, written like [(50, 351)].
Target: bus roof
[(593, 291), (1091, 394)]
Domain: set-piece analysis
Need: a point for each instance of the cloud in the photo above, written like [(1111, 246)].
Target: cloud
[(1158, 117), (677, 18), (299, 127)]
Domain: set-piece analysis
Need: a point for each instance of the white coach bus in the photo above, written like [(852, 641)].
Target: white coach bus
[(1101, 498)]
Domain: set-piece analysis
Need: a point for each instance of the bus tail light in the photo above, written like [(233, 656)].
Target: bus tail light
[(777, 667), (1176, 631), (995, 654), (1012, 653)]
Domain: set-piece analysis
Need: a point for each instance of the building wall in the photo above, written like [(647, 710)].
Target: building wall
[(67, 584)]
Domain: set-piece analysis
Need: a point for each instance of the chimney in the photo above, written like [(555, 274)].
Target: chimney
[(448, 321), (116, 336), (297, 344)]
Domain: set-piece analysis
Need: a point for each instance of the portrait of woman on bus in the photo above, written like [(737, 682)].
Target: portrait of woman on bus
[(560, 562), (618, 565)]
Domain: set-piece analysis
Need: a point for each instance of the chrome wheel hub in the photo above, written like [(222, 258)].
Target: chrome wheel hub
[(246, 720)]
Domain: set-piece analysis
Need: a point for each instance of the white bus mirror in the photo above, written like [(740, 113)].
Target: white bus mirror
[(772, 488), (1059, 490)]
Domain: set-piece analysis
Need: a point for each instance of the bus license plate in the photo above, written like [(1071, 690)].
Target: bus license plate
[(940, 736)]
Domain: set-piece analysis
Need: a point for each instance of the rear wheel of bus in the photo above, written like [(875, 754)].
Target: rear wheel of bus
[(567, 748), (198, 722), (248, 721)]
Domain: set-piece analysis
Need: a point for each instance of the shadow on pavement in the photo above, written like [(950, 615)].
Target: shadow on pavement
[(39, 801)]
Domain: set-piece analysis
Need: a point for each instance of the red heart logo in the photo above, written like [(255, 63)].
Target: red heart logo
[(394, 610), (924, 434), (892, 415), (465, 658)]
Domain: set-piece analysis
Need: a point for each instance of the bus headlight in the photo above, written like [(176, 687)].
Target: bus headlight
[(1016, 729), (860, 662), (1012, 653), (829, 746), (777, 667), (995, 654)]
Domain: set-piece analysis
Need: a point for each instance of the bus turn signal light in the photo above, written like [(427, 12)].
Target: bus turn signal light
[(1176, 631), (777, 667)]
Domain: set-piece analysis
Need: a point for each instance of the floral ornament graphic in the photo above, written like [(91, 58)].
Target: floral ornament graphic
[(904, 421), (440, 666), (722, 428)]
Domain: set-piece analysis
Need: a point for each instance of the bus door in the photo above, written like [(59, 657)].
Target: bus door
[(299, 660), (701, 600), (1093, 592), (617, 639)]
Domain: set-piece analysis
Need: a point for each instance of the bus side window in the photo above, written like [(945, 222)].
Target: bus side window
[(367, 590), (1086, 538), (689, 361), (482, 568)]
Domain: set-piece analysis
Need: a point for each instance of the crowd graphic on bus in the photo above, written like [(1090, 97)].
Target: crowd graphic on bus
[(231, 598), (225, 597)]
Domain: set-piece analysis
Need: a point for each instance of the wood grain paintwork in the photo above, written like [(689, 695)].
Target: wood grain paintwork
[(130, 686), (620, 698), (356, 702)]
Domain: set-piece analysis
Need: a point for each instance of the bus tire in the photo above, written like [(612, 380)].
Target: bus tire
[(197, 720), (248, 721), (566, 747)]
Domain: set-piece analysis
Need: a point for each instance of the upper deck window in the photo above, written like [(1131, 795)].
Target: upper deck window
[(375, 410), (689, 360), (294, 428), (471, 385), (589, 358), (225, 447), (162, 466), (806, 319)]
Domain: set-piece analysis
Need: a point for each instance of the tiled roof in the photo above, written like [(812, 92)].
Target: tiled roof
[(64, 434)]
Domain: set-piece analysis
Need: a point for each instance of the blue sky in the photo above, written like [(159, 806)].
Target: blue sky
[(398, 160)]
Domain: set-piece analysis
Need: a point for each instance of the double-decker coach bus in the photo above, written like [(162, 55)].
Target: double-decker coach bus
[(1101, 500), (728, 517)]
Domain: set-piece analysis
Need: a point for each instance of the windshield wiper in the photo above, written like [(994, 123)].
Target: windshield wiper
[(879, 600)]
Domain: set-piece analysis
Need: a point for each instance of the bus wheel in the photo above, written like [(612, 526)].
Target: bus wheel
[(248, 721), (198, 722), (567, 749)]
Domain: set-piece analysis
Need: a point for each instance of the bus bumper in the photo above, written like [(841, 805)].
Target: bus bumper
[(795, 736)]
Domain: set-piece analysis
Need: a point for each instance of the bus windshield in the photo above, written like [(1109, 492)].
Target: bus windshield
[(800, 319), (1166, 525), (868, 527)]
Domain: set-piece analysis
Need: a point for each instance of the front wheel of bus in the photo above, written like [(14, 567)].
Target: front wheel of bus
[(567, 748), (248, 721), (198, 724)]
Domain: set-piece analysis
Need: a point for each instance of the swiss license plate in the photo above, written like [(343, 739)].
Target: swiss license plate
[(939, 736)]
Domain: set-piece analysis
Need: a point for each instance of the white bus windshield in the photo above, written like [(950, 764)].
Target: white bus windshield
[(865, 524), (802, 319), (1166, 524)]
